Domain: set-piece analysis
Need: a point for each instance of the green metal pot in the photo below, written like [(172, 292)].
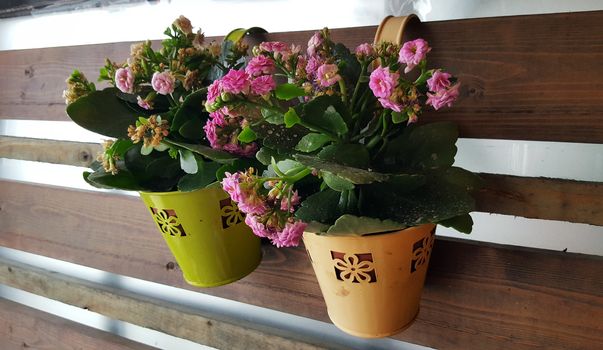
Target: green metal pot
[(206, 233)]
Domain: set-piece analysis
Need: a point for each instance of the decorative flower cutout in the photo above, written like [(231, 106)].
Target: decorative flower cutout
[(230, 213), (168, 224), (351, 269), (422, 252)]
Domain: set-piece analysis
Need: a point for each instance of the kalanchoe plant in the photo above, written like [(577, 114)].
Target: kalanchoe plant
[(338, 133), (154, 110)]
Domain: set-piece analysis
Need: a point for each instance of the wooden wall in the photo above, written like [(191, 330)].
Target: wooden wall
[(524, 78)]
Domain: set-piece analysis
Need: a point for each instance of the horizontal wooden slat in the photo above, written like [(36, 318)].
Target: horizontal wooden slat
[(22, 327), (524, 77), (162, 316), (49, 151), (477, 296), (541, 198)]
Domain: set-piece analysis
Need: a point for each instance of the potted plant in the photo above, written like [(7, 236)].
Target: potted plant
[(348, 164), (154, 112)]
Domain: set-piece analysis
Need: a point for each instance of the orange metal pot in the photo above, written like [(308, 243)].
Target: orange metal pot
[(372, 284)]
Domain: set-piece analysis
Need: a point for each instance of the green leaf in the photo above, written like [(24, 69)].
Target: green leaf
[(288, 91), (123, 180), (425, 147), (336, 183), (354, 175), (348, 66), (291, 118), (279, 137), (462, 223), (351, 225), (312, 142), (273, 117), (192, 130), (187, 161), (204, 176), (190, 110), (103, 113), (399, 117), (320, 207), (163, 167), (120, 147), (463, 178), (240, 164), (266, 154), (326, 112), (351, 154), (208, 152), (430, 203), (247, 135)]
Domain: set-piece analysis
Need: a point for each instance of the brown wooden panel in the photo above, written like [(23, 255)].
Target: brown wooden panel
[(553, 199), (22, 327), (49, 151), (173, 319), (524, 77), (477, 296), (542, 198)]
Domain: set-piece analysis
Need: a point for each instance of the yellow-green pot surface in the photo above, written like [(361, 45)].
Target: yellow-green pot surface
[(206, 233)]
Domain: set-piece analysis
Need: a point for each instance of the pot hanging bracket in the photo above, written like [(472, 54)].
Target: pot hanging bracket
[(392, 28)]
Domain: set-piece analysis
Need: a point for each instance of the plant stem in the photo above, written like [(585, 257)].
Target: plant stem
[(357, 88), (343, 90)]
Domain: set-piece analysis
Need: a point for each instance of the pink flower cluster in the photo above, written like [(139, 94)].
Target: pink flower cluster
[(222, 129), (442, 93), (386, 86), (250, 81), (124, 80), (163, 82), (268, 216)]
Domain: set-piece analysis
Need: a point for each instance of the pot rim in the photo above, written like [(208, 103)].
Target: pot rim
[(211, 186), (368, 236)]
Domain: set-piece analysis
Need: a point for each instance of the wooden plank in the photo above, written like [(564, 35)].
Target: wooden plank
[(518, 74), (23, 327), (49, 151), (180, 321), (541, 198), (480, 296)]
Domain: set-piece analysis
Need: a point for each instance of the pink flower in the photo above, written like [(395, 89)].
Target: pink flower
[(276, 47), (382, 82), (124, 80), (285, 206), (142, 103), (262, 85), (260, 65), (413, 52), (235, 81), (327, 75), (218, 116), (290, 235), (364, 50), (389, 104), (231, 184), (163, 82), (312, 66), (439, 81), (443, 97), (257, 227), (211, 133), (315, 41), (213, 91)]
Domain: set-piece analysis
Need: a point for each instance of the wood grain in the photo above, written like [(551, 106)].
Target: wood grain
[(540, 198), (22, 327), (49, 151), (523, 77), (177, 320), (477, 296)]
